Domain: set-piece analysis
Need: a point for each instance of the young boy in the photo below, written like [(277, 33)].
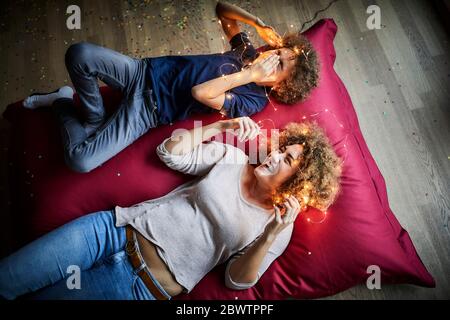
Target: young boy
[(162, 90)]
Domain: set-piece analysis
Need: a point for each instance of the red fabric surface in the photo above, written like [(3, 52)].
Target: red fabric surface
[(321, 259)]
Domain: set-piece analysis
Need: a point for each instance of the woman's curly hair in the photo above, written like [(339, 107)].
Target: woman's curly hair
[(317, 180), (305, 75)]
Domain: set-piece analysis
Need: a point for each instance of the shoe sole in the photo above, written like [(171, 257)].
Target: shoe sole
[(42, 93)]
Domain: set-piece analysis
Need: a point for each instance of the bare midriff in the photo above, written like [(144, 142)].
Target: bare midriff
[(157, 266)]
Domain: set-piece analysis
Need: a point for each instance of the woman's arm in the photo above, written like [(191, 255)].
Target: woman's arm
[(229, 15), (245, 268), (186, 141)]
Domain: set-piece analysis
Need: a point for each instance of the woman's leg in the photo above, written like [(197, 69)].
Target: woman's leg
[(44, 262), (112, 278)]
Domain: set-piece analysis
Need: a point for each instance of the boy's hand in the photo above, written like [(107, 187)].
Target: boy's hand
[(264, 67), (270, 36)]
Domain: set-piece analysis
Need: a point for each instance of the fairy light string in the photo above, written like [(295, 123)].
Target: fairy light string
[(307, 200)]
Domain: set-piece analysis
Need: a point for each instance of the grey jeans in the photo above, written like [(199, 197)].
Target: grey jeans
[(93, 139)]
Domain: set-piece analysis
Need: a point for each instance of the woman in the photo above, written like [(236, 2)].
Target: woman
[(162, 90), (163, 247)]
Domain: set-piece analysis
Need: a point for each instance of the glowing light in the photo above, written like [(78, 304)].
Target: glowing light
[(229, 96), (305, 200), (337, 121), (263, 124)]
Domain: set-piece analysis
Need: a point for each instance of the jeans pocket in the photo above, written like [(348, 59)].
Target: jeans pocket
[(116, 258), (151, 107), (140, 290)]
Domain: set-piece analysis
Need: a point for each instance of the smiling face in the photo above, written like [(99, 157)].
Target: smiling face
[(279, 166)]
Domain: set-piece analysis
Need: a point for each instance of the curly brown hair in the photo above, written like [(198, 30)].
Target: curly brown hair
[(317, 180), (305, 75)]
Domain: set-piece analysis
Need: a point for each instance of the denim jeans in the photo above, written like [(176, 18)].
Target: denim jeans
[(93, 244), (93, 139)]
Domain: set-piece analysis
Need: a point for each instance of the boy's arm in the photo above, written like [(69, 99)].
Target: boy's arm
[(230, 14), (212, 93)]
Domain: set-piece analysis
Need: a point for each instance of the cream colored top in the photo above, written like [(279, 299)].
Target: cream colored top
[(204, 222)]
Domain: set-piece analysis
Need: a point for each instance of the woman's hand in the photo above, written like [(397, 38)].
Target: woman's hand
[(247, 129), (264, 67), (282, 220), (270, 36)]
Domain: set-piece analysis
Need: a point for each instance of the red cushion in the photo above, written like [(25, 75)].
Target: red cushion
[(322, 258)]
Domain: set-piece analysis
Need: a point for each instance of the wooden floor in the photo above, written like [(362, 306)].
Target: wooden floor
[(398, 78)]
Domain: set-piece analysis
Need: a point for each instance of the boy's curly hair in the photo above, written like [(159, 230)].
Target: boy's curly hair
[(317, 180), (305, 75)]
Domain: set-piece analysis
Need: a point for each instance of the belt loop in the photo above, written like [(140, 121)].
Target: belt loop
[(142, 267)]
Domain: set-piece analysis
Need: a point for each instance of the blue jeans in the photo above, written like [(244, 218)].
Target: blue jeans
[(93, 244), (91, 139)]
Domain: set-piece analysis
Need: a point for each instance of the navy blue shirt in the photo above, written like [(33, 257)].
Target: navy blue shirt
[(173, 77)]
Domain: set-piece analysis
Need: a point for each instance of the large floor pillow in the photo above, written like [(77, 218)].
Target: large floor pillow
[(327, 254)]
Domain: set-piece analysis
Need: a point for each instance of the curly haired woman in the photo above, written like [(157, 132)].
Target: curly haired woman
[(162, 247)]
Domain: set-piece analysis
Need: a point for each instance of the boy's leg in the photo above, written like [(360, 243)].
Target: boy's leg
[(87, 62), (88, 145), (83, 153)]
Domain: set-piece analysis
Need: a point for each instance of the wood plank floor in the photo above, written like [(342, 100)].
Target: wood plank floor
[(398, 78)]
